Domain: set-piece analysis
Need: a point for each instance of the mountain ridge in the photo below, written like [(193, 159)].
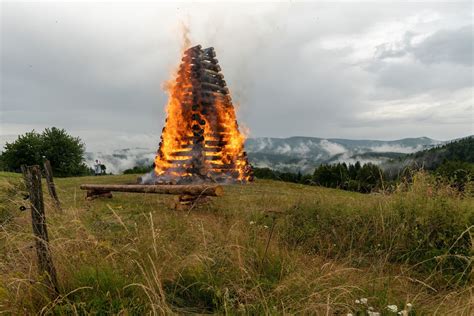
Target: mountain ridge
[(295, 153)]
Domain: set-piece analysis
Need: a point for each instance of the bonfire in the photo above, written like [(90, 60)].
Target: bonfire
[(200, 141)]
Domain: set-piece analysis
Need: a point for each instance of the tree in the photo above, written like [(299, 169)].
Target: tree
[(458, 173), (362, 178), (26, 150), (369, 177), (65, 152)]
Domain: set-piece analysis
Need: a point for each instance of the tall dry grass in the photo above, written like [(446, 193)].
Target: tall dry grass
[(267, 248)]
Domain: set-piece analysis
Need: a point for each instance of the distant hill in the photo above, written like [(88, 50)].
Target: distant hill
[(304, 153), (458, 150), (286, 154)]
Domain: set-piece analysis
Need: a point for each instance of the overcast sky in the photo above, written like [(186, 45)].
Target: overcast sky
[(371, 70)]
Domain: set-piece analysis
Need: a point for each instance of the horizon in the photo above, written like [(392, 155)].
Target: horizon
[(4, 140), (389, 72)]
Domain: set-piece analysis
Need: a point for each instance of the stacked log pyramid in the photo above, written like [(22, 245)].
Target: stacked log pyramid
[(210, 144)]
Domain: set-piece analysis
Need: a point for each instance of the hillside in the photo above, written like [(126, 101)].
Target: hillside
[(263, 248), (288, 154), (304, 153), (461, 150), (458, 150)]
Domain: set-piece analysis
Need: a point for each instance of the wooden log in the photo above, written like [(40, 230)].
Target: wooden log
[(205, 65), (209, 65), (214, 88), (180, 162), (213, 157), (184, 198), (48, 172), (223, 166), (196, 59), (209, 52), (214, 80), (193, 50), (189, 152), (182, 153), (185, 202), (93, 194), (181, 189), (32, 175)]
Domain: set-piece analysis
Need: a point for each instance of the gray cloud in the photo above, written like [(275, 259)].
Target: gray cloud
[(321, 69), (454, 46), (444, 46)]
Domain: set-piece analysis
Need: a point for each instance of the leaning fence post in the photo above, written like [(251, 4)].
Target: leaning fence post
[(32, 175), (48, 172)]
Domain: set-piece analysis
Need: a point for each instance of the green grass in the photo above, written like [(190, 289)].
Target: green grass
[(134, 254)]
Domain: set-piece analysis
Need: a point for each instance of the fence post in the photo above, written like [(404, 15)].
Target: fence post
[(32, 175), (48, 172)]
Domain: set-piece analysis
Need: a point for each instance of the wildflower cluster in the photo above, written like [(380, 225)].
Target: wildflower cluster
[(363, 306)]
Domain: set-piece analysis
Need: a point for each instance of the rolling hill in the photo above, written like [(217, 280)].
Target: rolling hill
[(287, 154)]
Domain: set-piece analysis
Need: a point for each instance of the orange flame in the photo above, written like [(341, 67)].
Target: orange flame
[(223, 147)]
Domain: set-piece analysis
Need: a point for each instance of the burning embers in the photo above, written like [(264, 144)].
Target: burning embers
[(201, 140)]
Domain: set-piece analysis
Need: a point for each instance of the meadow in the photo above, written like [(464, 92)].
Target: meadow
[(268, 247)]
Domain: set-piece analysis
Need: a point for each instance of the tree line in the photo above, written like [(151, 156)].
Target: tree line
[(366, 178), (358, 177)]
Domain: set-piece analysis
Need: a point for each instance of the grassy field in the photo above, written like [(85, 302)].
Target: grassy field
[(263, 248)]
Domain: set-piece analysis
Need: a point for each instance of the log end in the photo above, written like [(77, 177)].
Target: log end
[(219, 190)]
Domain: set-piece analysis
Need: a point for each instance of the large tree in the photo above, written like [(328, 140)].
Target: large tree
[(65, 152), (26, 150)]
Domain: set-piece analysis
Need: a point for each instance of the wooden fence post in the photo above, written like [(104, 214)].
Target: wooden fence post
[(46, 267), (48, 172)]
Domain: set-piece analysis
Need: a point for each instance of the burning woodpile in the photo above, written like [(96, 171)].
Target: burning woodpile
[(201, 141)]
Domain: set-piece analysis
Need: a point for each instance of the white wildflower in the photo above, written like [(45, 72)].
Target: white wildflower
[(265, 226), (392, 308), (371, 308), (363, 300), (357, 301), (252, 223)]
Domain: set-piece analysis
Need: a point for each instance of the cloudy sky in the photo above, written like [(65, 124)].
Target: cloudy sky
[(372, 70)]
